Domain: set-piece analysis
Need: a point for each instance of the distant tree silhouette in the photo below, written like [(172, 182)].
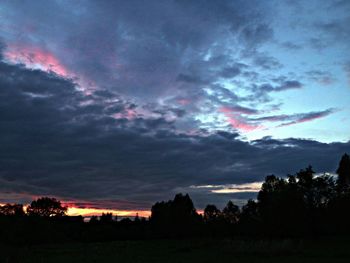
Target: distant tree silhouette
[(183, 208), (297, 204), (339, 206), (324, 190), (12, 210), (176, 217), (231, 213), (161, 213), (137, 218), (281, 206), (250, 219), (211, 213), (305, 184), (106, 218), (126, 221), (46, 207), (250, 212), (93, 219), (339, 213), (343, 172)]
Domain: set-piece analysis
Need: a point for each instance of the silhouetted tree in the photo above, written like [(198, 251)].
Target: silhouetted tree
[(324, 190), (175, 217), (181, 209), (249, 220), (231, 213), (137, 218), (106, 218), (339, 213), (126, 221), (161, 213), (343, 172), (305, 184), (12, 210), (93, 219), (46, 207), (281, 206), (250, 212), (211, 213)]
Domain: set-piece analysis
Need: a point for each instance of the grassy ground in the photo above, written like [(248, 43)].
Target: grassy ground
[(324, 250)]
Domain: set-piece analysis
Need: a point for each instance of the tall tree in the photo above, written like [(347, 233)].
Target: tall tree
[(343, 171)]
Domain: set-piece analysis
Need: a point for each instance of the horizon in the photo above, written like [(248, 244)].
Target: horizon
[(111, 106), (88, 211)]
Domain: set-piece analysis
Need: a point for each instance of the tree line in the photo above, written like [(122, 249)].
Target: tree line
[(300, 205)]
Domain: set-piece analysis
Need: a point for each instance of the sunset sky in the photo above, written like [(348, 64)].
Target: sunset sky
[(119, 104)]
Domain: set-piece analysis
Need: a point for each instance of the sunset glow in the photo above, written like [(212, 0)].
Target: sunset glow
[(76, 211), (36, 58)]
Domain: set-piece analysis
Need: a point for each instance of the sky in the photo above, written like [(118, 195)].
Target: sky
[(119, 104)]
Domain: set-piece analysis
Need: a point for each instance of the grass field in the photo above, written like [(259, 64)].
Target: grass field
[(282, 251)]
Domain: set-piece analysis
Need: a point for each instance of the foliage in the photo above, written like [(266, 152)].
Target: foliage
[(46, 207), (12, 210)]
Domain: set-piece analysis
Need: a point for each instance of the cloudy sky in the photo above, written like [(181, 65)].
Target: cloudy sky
[(118, 104)]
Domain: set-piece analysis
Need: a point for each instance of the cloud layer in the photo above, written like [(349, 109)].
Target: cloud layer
[(61, 142)]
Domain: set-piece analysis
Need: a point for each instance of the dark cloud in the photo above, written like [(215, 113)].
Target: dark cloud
[(188, 78), (332, 31), (244, 110), (300, 118), (256, 34), (262, 93), (296, 118), (2, 48), (58, 141), (289, 84), (320, 76), (319, 43), (336, 29), (267, 62), (146, 50), (347, 70), (291, 46), (230, 72)]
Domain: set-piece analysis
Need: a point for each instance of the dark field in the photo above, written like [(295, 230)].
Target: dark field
[(283, 250)]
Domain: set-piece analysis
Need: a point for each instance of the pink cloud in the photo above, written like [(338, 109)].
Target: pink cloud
[(183, 102), (238, 109), (301, 118), (34, 57), (235, 119), (128, 114)]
